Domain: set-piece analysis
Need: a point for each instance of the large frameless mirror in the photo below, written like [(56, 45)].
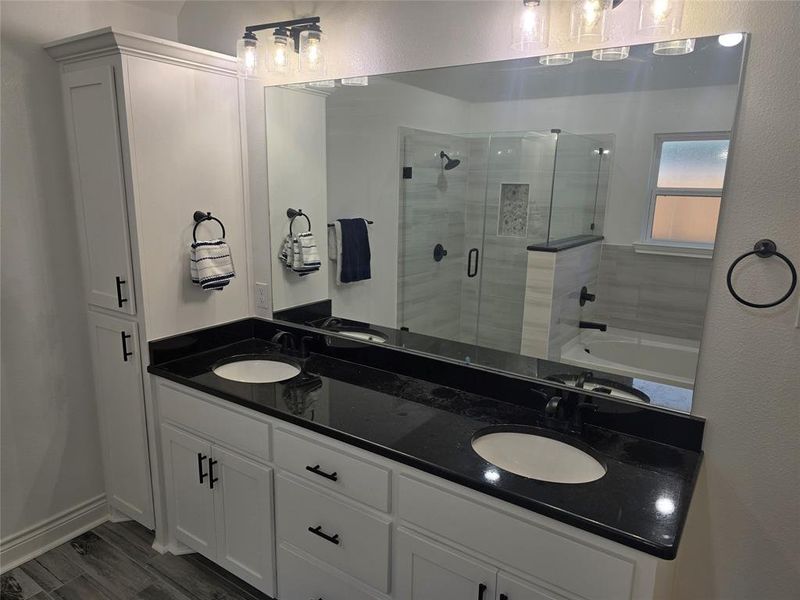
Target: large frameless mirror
[(553, 218)]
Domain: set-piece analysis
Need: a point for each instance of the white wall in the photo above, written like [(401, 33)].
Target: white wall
[(634, 119), (50, 445), (744, 536), (362, 136), (295, 122)]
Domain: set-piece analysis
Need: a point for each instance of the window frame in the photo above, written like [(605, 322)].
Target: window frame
[(670, 246)]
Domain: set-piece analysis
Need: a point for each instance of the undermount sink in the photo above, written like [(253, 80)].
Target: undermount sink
[(256, 370), (537, 457)]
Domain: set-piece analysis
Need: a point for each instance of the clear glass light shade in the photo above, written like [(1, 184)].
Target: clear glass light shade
[(530, 30), (674, 47), (356, 81), (590, 20), (609, 54), (280, 52), (657, 17), (557, 59), (247, 57), (312, 58)]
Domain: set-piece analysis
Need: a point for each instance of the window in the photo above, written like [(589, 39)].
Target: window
[(686, 189)]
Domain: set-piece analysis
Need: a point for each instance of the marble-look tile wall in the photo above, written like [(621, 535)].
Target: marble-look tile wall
[(665, 295), (552, 292), (432, 205)]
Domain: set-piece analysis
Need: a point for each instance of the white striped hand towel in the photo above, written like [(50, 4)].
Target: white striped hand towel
[(211, 264)]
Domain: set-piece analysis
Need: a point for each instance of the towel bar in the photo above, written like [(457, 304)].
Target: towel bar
[(200, 216)]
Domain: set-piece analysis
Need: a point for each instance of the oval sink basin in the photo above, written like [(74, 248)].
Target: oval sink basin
[(538, 457), (257, 371)]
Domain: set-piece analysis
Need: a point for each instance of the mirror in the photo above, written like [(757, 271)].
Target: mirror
[(551, 221)]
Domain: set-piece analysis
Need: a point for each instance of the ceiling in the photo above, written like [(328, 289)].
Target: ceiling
[(169, 7), (524, 79)]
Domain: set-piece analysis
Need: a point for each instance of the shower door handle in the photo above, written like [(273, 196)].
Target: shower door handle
[(472, 268)]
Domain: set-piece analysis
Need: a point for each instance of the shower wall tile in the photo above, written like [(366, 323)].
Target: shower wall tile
[(538, 303), (665, 295)]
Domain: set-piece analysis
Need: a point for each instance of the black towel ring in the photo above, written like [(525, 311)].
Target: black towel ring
[(199, 217), (293, 214), (763, 249)]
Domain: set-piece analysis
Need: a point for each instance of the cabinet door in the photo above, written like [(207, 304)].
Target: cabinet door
[(121, 412), (99, 187), (512, 588), (429, 571), (244, 520), (190, 502)]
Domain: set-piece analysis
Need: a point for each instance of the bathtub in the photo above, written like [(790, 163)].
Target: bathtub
[(659, 358)]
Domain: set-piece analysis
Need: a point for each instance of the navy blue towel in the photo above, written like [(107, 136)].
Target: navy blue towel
[(355, 250)]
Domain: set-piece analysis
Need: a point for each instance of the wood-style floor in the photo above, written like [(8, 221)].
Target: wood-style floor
[(115, 561)]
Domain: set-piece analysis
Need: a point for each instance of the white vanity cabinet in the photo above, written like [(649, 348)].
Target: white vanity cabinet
[(220, 505), (352, 525)]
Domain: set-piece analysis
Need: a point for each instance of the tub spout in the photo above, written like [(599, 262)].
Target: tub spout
[(592, 325)]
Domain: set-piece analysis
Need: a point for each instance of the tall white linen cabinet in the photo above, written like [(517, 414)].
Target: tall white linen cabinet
[(155, 132)]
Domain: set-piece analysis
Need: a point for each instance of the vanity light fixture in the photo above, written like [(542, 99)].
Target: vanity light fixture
[(552, 60), (298, 36), (609, 54), (660, 17), (531, 31), (729, 40), (674, 47)]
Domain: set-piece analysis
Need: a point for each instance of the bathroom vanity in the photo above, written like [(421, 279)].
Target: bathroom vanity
[(351, 481)]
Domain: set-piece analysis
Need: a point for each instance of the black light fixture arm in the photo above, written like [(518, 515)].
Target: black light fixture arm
[(293, 27)]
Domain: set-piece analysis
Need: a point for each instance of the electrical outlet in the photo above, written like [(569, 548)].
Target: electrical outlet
[(262, 297)]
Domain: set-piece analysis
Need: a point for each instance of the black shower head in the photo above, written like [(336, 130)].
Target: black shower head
[(451, 163)]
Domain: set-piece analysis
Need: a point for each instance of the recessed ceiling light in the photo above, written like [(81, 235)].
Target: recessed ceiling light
[(729, 40)]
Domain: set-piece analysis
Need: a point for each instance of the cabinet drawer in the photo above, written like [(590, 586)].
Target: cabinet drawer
[(299, 579), (363, 540), (344, 473), (545, 554), (191, 410)]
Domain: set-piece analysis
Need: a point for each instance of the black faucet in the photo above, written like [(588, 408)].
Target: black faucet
[(287, 342), (567, 412), (330, 322), (586, 296), (592, 325)]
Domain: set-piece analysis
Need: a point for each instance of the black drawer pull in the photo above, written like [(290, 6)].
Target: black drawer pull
[(125, 353), (481, 591), (200, 459), (333, 539), (120, 299), (503, 597), (317, 471), (213, 479)]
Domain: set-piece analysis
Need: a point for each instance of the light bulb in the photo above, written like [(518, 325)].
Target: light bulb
[(589, 19), (729, 40), (531, 30), (311, 56), (280, 52), (247, 55), (660, 16)]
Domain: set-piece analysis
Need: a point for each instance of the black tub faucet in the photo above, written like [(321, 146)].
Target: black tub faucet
[(586, 296), (592, 325)]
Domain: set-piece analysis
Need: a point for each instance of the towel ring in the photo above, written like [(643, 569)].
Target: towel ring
[(293, 214), (199, 217), (763, 249)]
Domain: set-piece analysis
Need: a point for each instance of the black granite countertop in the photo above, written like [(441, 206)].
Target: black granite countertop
[(641, 502)]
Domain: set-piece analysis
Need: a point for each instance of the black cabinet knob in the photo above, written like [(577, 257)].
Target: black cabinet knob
[(481, 591)]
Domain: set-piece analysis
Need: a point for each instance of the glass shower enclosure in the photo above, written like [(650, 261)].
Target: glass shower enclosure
[(465, 229)]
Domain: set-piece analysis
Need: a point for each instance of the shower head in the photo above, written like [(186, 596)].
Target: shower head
[(451, 163)]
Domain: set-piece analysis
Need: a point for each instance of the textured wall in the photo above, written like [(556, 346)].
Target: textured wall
[(743, 539), (50, 441)]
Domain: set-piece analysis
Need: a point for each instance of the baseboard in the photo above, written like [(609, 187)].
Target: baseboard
[(38, 539)]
